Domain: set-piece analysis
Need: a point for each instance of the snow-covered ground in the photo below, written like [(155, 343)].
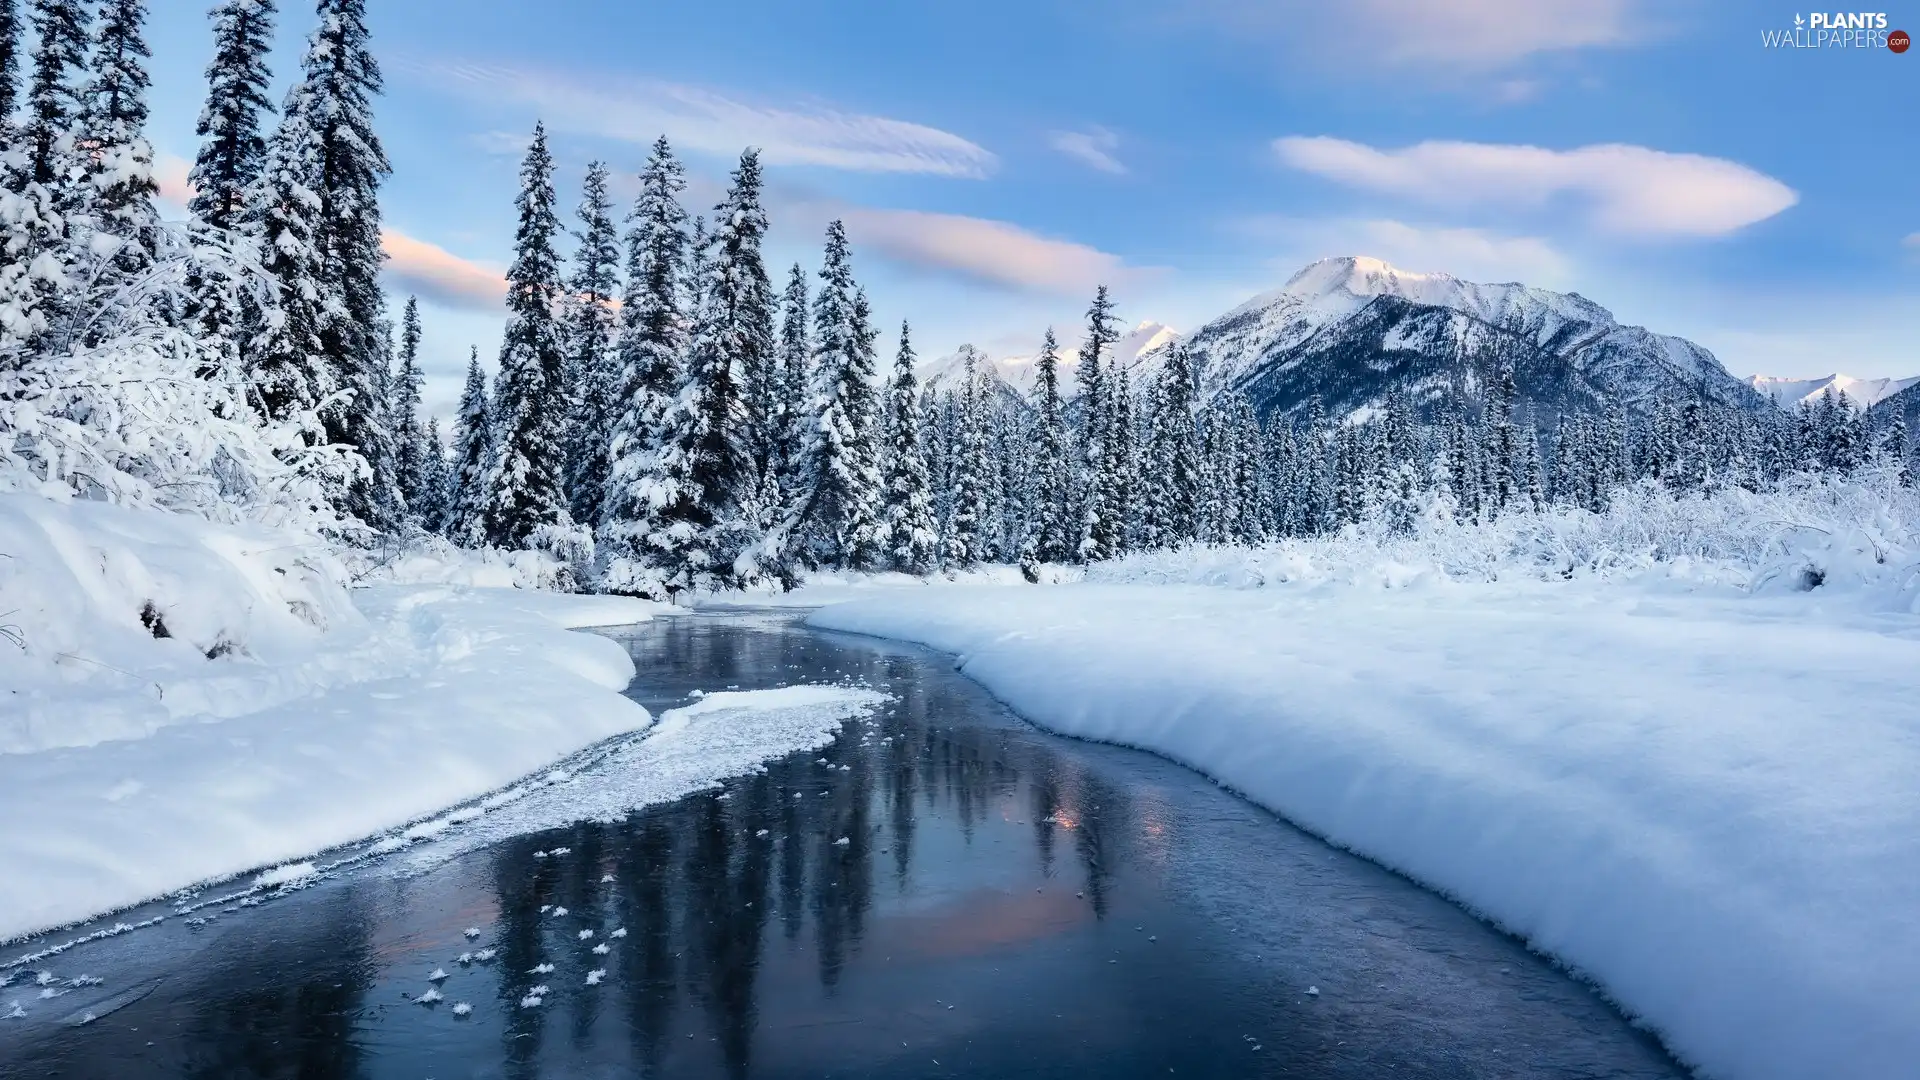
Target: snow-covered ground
[(1705, 799), (188, 701)]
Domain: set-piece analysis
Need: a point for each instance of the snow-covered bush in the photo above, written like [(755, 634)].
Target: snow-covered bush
[(1808, 531), (107, 395), (423, 558)]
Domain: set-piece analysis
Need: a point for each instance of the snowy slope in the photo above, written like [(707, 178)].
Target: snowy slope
[(1352, 330), (1704, 802), (1861, 393), (278, 715)]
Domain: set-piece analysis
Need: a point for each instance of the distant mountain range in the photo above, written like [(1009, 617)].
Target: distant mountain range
[(1862, 393), (1353, 331)]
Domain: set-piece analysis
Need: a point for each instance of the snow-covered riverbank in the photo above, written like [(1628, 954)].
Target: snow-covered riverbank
[(1705, 801), (190, 701)]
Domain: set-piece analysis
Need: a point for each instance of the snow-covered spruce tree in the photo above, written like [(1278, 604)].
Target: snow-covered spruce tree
[(56, 99), (120, 160), (286, 366), (706, 536), (430, 506), (1121, 465), (1056, 530), (1175, 452), (472, 459), (340, 78), (798, 410), (1095, 539), (590, 348), (526, 486), (911, 533), (840, 512), (411, 467), (44, 222), (651, 339), (966, 473), (9, 69), (233, 151)]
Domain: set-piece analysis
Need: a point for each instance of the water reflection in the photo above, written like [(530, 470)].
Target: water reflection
[(943, 884)]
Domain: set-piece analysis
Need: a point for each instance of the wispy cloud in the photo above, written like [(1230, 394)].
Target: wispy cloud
[(992, 252), (1093, 148), (1624, 189), (437, 274), (1912, 241), (703, 120), (1452, 36)]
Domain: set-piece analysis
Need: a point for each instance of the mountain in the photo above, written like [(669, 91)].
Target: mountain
[(1350, 331), (1863, 394), (1139, 346)]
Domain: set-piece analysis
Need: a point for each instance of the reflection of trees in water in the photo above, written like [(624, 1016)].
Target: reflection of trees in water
[(297, 1019), (698, 890), (522, 884), (647, 960)]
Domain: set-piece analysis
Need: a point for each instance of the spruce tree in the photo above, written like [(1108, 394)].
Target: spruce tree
[(287, 369), (705, 473), (526, 489), (435, 493), (56, 99), (966, 473), (1056, 531), (911, 532), (797, 410), (472, 459), (841, 512), (651, 340), (233, 150), (120, 159), (1121, 466), (1175, 451), (1090, 491), (340, 78), (411, 467), (9, 69), (591, 359), (233, 154)]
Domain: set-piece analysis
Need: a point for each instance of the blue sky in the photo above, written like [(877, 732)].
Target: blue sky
[(994, 160)]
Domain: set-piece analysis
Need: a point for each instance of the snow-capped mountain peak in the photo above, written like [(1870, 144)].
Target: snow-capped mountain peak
[(1345, 330), (1861, 393)]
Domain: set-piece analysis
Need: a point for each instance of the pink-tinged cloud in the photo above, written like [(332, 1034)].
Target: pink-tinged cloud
[(1619, 188), (170, 173), (437, 274), (993, 252)]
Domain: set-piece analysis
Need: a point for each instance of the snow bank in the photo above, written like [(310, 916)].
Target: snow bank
[(1705, 803), (1858, 534), (192, 701), (837, 586)]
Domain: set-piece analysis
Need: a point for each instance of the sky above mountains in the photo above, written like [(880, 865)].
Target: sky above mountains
[(996, 160)]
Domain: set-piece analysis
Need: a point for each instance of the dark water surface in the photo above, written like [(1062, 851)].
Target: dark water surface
[(1007, 904)]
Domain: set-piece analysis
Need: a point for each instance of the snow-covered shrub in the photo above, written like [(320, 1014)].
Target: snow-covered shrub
[(422, 558), (1807, 531), (106, 395)]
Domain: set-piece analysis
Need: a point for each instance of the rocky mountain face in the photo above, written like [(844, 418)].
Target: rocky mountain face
[(1353, 331)]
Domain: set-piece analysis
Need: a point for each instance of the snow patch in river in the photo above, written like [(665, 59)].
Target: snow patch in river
[(693, 748)]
